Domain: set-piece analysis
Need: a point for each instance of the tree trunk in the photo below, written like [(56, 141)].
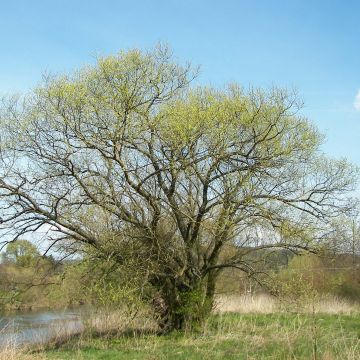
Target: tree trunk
[(183, 308)]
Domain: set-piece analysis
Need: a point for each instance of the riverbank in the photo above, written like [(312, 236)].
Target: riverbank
[(249, 328), (230, 336)]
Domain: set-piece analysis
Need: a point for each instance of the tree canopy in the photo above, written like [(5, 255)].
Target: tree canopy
[(127, 159), (21, 252)]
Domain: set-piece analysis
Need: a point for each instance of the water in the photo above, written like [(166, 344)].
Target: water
[(38, 327)]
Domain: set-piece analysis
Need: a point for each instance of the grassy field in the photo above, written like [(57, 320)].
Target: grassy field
[(233, 336), (258, 334)]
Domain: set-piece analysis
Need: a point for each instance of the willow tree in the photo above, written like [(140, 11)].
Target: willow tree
[(127, 159)]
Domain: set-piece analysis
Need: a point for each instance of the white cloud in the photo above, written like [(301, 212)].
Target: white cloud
[(357, 101)]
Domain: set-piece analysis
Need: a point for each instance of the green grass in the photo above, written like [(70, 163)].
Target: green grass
[(232, 336)]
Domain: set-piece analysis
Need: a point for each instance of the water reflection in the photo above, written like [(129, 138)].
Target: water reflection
[(38, 327)]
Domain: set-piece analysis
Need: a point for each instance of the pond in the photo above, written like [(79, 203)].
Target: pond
[(36, 327)]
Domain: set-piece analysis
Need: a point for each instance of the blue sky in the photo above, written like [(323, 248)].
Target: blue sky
[(312, 46)]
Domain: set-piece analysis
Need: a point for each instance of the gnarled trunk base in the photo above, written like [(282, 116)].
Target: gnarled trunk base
[(181, 308)]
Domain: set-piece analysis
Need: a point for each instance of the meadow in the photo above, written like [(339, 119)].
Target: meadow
[(241, 327)]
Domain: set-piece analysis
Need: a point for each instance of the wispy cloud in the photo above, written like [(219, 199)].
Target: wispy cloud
[(357, 101)]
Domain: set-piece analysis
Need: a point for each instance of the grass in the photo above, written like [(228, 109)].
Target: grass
[(233, 332), (232, 336)]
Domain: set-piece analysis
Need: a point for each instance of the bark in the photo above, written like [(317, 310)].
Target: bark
[(184, 308)]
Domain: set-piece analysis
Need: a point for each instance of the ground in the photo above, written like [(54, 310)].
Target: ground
[(242, 327), (233, 336)]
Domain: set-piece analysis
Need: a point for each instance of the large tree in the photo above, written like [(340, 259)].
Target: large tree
[(126, 159)]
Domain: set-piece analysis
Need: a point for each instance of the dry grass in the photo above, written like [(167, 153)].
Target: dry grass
[(270, 325), (11, 352), (246, 304), (112, 321), (334, 305), (266, 304), (58, 333)]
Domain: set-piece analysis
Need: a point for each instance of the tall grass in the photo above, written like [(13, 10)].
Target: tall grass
[(105, 321), (10, 351), (244, 304), (266, 304), (242, 327)]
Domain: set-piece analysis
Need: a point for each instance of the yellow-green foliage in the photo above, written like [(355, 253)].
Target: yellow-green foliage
[(221, 118), (308, 276)]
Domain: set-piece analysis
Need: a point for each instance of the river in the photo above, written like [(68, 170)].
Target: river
[(36, 327)]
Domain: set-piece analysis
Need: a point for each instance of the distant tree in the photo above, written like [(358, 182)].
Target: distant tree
[(345, 236), (125, 161), (21, 252)]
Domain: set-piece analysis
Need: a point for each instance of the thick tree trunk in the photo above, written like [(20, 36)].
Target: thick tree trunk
[(184, 308)]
